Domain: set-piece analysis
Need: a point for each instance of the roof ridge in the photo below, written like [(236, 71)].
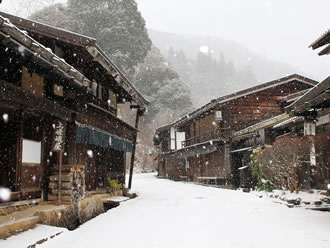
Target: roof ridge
[(244, 92)]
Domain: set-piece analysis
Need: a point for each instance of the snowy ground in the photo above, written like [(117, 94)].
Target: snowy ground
[(175, 214), (313, 199), (31, 237)]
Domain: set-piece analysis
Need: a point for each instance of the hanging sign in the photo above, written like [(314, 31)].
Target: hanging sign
[(309, 128), (59, 136)]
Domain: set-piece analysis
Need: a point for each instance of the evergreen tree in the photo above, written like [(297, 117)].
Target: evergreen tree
[(117, 25), (161, 85), (56, 15), (181, 63)]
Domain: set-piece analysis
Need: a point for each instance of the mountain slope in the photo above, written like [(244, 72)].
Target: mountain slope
[(264, 69)]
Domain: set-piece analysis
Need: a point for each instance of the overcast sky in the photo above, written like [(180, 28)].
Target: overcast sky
[(281, 30)]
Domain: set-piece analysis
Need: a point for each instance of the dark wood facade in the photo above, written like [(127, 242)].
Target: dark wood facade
[(304, 129), (208, 150), (64, 83)]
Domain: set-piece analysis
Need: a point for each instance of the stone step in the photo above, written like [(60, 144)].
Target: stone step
[(13, 227)]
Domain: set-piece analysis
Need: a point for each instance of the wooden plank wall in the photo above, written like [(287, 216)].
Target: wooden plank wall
[(251, 109), (207, 165)]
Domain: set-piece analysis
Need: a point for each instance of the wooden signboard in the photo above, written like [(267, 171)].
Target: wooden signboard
[(59, 136), (58, 146)]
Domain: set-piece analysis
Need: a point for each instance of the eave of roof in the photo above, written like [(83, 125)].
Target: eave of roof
[(292, 97), (85, 42), (292, 120), (261, 125), (120, 78), (304, 101), (325, 51), (50, 31), (323, 40), (10, 31)]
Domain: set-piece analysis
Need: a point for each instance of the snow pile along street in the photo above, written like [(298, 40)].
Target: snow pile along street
[(175, 214)]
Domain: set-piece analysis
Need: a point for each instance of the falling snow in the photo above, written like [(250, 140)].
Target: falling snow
[(90, 153), (4, 194), (5, 118)]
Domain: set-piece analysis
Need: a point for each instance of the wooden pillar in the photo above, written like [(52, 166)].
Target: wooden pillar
[(19, 150), (44, 164), (59, 156), (310, 132), (71, 141), (138, 113), (227, 160)]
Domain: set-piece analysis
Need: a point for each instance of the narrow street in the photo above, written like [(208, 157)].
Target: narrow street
[(175, 214)]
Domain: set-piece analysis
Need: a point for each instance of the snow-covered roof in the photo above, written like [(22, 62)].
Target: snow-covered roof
[(312, 98), (322, 41), (240, 94), (87, 43), (10, 31), (294, 119)]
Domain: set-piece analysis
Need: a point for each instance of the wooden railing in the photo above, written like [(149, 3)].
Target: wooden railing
[(222, 133), (102, 104)]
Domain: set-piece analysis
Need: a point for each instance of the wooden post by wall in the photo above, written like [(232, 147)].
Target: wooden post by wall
[(59, 155), (19, 151), (138, 113), (58, 146), (44, 164), (71, 142), (227, 160)]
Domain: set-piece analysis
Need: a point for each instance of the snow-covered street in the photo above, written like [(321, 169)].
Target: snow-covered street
[(175, 214)]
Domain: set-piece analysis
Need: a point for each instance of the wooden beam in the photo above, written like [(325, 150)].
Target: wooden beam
[(263, 124), (117, 75), (315, 102), (138, 113), (13, 94)]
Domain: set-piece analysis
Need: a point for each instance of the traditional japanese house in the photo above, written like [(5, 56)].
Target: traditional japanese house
[(304, 125), (312, 121), (200, 145), (60, 133)]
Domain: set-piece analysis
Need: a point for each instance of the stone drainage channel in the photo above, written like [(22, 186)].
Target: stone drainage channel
[(71, 217)]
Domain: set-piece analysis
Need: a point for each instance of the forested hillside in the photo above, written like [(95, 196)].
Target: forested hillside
[(212, 66)]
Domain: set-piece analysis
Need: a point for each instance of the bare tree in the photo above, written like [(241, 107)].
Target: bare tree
[(283, 161), (25, 8)]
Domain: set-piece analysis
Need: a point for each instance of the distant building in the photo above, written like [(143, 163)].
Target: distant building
[(208, 145)]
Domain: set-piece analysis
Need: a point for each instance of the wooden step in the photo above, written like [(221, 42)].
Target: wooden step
[(66, 177), (64, 198), (63, 191), (68, 168), (65, 169), (65, 185), (11, 228)]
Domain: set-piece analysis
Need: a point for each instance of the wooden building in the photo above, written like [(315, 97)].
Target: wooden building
[(200, 146), (303, 132), (60, 133), (304, 129)]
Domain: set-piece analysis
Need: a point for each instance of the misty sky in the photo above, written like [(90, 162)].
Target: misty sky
[(281, 30)]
